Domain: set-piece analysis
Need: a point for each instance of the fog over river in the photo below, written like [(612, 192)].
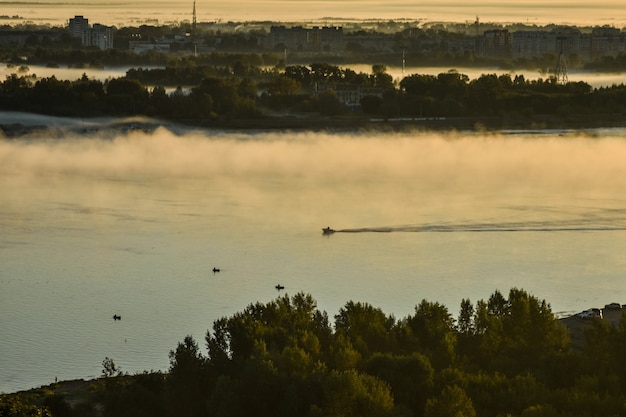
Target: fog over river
[(133, 224)]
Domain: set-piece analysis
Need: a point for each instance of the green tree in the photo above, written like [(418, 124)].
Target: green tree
[(126, 96), (247, 88), (53, 96), (433, 326), (520, 332), (452, 402), (285, 322), (468, 342), (186, 361), (160, 102), (379, 69), (452, 85), (371, 104), (325, 73), (352, 394), (57, 405), (223, 95), (89, 96), (109, 369), (189, 379), (419, 84), (329, 104), (486, 95), (465, 322), (352, 77), (367, 328), (11, 406), (599, 350), (409, 376), (283, 86), (299, 73)]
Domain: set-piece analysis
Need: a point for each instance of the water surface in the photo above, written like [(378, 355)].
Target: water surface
[(132, 224)]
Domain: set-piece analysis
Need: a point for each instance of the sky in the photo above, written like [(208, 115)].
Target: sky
[(117, 12)]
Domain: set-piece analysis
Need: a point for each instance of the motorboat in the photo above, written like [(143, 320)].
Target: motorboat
[(328, 231)]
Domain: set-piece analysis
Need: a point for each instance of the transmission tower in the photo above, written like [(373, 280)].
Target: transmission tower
[(194, 21), (560, 72)]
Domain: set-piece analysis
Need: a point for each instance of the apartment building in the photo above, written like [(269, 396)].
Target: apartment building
[(98, 35), (298, 38)]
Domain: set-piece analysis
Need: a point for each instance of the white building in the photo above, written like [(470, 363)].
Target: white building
[(139, 47), (349, 94)]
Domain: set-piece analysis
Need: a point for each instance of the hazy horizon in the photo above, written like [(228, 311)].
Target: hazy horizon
[(56, 12)]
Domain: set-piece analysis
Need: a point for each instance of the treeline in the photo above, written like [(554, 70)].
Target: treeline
[(122, 57), (504, 356), (246, 91), (212, 98), (454, 94), (608, 63)]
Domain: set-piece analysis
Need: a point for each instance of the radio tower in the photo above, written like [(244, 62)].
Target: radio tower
[(560, 72), (193, 22)]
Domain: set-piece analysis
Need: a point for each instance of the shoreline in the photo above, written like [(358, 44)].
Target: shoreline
[(486, 124), (77, 390)]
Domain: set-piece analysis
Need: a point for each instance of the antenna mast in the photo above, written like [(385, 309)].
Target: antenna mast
[(403, 60), (477, 38), (193, 22)]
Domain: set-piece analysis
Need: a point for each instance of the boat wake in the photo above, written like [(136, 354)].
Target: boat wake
[(491, 227), (519, 219)]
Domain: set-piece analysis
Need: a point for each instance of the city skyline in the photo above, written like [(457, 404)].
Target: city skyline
[(600, 13)]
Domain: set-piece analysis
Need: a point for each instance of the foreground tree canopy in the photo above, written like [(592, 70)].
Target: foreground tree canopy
[(504, 356)]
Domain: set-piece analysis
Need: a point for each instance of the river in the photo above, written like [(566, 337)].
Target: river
[(132, 224)]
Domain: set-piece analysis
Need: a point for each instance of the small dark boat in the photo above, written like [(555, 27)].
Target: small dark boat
[(216, 270), (116, 317), (279, 287), (328, 231)]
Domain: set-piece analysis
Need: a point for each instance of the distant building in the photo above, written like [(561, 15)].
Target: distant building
[(98, 35), (462, 45), (77, 25), (533, 43), (299, 38), (179, 44), (349, 94), (607, 41), (139, 47), (528, 44), (21, 37), (370, 41), (496, 43)]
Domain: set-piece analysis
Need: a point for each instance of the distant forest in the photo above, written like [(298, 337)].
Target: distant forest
[(188, 92), (504, 356)]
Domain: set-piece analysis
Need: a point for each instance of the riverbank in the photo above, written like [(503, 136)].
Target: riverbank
[(78, 391), (31, 124)]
